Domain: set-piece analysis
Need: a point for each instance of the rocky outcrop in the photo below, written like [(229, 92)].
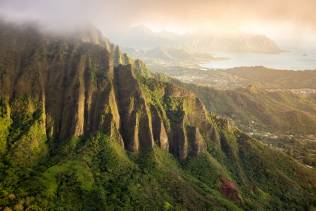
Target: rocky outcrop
[(159, 130), (135, 120)]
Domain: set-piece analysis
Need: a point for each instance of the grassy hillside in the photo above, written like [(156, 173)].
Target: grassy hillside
[(255, 108)]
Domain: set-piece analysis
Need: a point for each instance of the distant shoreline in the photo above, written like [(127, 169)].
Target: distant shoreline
[(289, 60)]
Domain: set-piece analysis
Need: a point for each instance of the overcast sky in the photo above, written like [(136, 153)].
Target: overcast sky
[(279, 19)]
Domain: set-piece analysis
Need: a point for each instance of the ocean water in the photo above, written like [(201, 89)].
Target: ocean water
[(290, 60)]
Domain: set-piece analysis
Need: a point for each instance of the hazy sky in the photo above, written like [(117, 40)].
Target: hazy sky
[(279, 19)]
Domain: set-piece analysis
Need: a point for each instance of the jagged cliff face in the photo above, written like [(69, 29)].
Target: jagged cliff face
[(80, 88), (83, 126)]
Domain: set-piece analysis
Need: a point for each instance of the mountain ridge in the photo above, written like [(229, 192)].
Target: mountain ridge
[(101, 131), (143, 38)]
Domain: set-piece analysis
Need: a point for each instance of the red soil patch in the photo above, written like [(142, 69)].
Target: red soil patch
[(228, 189)]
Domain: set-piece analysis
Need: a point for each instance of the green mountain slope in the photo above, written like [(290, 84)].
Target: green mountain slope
[(85, 128), (255, 108), (281, 118)]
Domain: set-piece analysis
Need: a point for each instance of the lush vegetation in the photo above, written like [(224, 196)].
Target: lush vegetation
[(96, 173)]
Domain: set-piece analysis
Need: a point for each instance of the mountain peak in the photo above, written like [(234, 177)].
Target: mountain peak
[(141, 28)]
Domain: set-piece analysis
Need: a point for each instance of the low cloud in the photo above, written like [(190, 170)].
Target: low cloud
[(294, 15)]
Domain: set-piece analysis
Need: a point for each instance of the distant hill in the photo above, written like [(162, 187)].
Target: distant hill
[(170, 56), (255, 108), (275, 79), (242, 77), (142, 37)]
